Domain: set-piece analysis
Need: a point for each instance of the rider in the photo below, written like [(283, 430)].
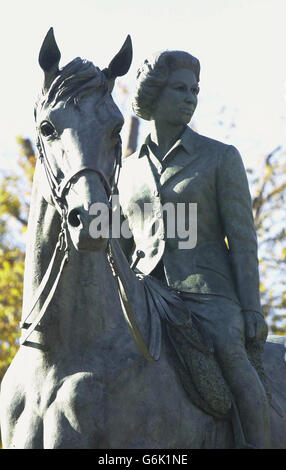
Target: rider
[(218, 275)]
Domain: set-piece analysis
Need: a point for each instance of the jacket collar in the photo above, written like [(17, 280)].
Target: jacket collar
[(188, 140)]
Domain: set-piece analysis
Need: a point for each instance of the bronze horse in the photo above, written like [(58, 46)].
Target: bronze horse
[(80, 379)]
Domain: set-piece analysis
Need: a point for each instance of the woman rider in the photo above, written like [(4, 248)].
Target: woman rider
[(218, 274)]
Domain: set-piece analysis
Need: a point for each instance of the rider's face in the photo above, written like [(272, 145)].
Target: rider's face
[(178, 100)]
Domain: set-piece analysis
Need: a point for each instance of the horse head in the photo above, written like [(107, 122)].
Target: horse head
[(78, 127)]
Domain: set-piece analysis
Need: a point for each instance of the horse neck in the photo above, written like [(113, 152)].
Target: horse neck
[(85, 311)]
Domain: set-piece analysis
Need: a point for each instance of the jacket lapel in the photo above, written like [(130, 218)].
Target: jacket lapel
[(185, 154), (180, 157)]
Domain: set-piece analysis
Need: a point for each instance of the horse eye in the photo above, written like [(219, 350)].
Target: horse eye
[(47, 129)]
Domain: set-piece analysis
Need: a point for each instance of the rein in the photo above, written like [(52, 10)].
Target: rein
[(126, 306), (61, 252)]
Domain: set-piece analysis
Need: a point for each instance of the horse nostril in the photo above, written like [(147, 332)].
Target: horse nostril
[(74, 218)]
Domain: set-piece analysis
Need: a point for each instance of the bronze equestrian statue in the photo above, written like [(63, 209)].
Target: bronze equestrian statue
[(111, 358)]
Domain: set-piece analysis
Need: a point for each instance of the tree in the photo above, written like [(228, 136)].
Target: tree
[(15, 190), (269, 217)]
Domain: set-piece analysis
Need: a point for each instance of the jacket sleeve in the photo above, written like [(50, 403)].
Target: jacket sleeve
[(235, 207)]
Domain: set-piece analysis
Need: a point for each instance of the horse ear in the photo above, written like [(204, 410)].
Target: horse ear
[(49, 58), (120, 64)]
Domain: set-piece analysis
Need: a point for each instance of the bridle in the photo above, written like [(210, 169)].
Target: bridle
[(60, 257)]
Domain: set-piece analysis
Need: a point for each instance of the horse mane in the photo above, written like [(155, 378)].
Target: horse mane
[(72, 82)]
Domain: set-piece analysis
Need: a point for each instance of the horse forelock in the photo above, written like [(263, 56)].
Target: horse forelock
[(73, 81)]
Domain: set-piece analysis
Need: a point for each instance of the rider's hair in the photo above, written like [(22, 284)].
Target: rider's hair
[(153, 75)]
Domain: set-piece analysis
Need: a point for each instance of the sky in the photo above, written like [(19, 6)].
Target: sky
[(240, 45)]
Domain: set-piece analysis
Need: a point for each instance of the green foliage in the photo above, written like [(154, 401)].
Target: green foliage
[(269, 217), (11, 287), (15, 190)]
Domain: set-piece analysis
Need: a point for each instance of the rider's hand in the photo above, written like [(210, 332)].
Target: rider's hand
[(255, 326)]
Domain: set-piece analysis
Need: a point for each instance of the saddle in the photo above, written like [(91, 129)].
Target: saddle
[(191, 351), (193, 354)]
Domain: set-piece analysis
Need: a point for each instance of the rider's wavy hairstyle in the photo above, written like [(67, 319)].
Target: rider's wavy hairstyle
[(153, 75)]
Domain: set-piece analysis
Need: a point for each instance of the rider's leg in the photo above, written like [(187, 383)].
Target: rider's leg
[(248, 392), (243, 380), (223, 320)]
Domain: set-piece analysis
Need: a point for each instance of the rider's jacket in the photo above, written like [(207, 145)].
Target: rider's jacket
[(221, 258)]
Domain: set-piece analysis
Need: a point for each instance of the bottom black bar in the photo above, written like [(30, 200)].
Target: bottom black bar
[(147, 458)]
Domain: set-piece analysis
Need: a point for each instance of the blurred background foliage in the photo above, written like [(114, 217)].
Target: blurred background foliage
[(269, 192), (15, 192)]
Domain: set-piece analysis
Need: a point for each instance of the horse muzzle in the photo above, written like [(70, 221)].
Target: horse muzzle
[(87, 232)]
